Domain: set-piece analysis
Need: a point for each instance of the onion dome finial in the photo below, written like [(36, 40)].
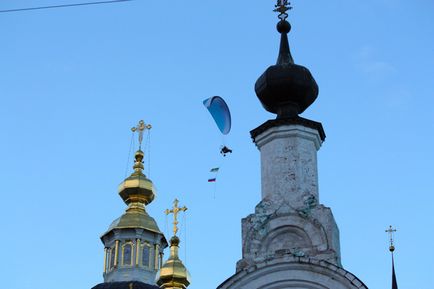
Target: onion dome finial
[(286, 88)]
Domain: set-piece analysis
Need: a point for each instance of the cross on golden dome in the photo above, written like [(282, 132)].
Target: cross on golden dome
[(140, 128), (175, 211)]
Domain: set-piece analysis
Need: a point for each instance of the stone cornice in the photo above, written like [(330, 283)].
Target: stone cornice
[(288, 121), (125, 285), (291, 263)]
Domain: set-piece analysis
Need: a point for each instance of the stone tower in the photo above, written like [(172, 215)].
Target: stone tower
[(291, 241)]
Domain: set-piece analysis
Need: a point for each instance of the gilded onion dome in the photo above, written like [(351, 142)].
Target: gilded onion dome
[(137, 191), (173, 274), (137, 188)]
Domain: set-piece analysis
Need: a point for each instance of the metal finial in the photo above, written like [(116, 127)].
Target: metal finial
[(175, 212), (282, 6), (391, 231), (140, 128)]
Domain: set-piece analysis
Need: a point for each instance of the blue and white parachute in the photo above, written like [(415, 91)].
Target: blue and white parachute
[(220, 112)]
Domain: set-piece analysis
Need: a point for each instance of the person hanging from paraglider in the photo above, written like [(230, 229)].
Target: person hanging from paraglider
[(219, 110), (225, 150)]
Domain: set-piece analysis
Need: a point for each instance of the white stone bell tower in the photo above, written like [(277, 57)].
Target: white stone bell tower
[(291, 240), (289, 216)]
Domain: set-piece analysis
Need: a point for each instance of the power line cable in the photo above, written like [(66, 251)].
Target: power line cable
[(63, 6)]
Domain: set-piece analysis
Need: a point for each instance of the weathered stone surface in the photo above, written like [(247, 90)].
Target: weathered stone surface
[(289, 165), (291, 240), (289, 219), (276, 231)]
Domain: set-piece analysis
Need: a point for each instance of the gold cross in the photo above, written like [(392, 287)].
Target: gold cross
[(175, 212), (140, 128), (391, 231)]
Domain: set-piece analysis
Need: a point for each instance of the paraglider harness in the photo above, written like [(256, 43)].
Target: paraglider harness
[(225, 150)]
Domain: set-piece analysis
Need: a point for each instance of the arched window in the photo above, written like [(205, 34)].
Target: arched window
[(146, 258), (127, 250)]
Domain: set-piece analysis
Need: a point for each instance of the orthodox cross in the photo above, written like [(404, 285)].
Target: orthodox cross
[(140, 128), (175, 212), (282, 6), (391, 231)]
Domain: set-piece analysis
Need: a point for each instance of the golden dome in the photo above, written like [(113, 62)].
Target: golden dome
[(133, 219), (173, 274), (137, 191), (137, 188)]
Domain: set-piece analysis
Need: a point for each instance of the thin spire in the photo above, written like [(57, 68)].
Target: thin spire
[(394, 283), (284, 27), (391, 232)]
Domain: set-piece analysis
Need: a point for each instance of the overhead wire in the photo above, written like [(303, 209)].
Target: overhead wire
[(63, 6)]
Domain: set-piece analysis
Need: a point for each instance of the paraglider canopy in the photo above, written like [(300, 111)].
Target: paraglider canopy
[(220, 112)]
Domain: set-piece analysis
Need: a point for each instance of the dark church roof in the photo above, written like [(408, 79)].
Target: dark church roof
[(125, 285)]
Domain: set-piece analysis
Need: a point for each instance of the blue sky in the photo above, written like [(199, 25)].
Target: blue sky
[(75, 80)]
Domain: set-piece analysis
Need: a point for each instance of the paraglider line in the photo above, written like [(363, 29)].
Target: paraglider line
[(215, 186), (216, 177)]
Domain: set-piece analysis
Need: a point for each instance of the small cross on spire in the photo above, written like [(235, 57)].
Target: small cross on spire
[(391, 231), (175, 212), (140, 128), (282, 6)]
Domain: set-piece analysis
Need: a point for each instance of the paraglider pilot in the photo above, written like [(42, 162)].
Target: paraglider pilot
[(222, 117), (225, 150)]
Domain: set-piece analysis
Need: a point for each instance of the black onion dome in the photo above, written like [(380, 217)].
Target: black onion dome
[(286, 89)]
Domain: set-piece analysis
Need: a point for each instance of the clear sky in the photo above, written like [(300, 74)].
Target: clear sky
[(75, 80)]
